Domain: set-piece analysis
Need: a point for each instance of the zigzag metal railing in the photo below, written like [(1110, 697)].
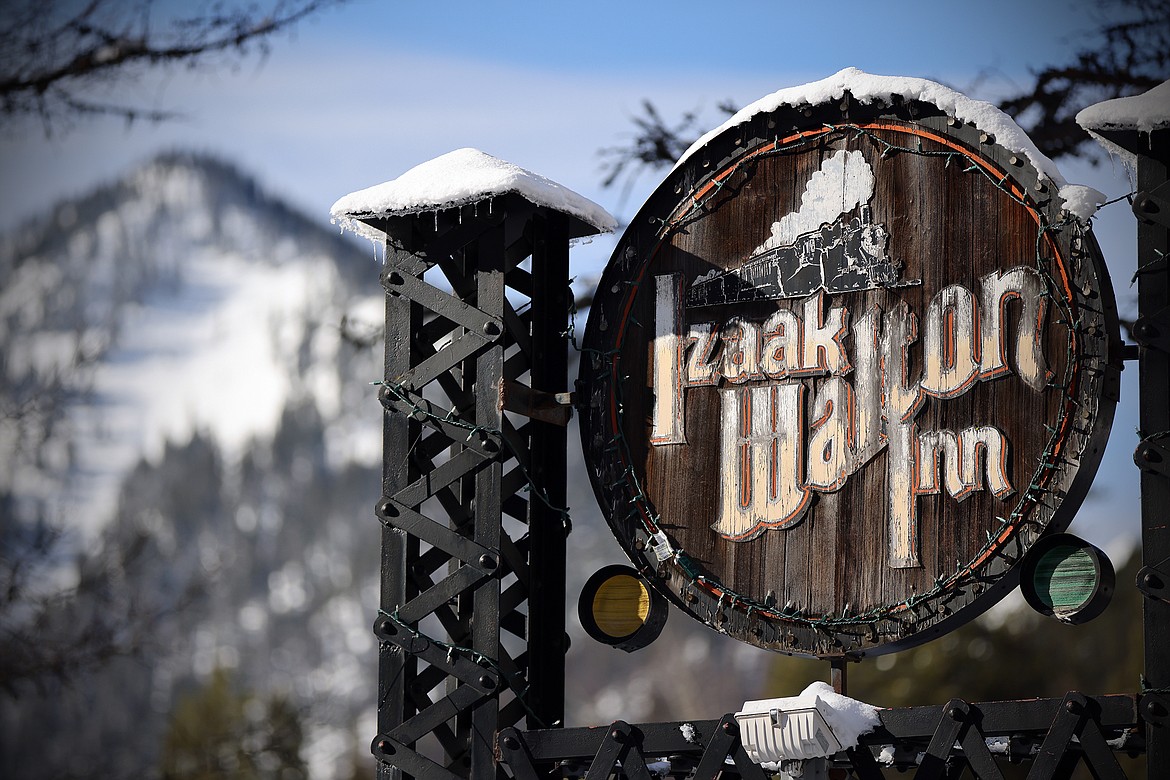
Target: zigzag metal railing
[(1055, 735), (471, 493)]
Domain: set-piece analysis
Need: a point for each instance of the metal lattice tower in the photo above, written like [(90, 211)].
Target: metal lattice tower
[(473, 541)]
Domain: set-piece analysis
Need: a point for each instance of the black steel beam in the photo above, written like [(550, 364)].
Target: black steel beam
[(1001, 718), (547, 525), (1151, 207), (485, 633), (395, 667)]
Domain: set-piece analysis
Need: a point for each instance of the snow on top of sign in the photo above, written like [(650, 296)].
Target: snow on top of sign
[(456, 179), (866, 88), (1081, 201), (843, 182), (1146, 112)]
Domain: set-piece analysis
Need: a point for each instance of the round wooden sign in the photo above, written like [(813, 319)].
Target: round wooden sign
[(845, 366)]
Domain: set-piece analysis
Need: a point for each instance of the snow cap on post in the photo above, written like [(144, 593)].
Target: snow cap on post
[(1146, 112), (460, 178), (1115, 124)]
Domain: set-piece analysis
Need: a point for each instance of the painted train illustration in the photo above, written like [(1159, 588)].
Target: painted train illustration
[(846, 255)]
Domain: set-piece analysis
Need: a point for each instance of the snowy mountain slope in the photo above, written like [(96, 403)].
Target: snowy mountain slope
[(184, 371), (177, 378), (181, 298)]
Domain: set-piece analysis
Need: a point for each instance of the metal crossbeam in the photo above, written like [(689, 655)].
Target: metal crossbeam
[(936, 742)]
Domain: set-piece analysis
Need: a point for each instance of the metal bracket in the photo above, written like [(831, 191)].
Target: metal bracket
[(959, 723), (1153, 330), (1152, 582), (865, 766), (466, 551), (1151, 209), (725, 742), (1077, 717), (1152, 455), (553, 408), (514, 753), (477, 323), (412, 404), (484, 682), (621, 745), (388, 750), (1155, 709)]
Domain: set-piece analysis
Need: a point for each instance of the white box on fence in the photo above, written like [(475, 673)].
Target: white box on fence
[(773, 730)]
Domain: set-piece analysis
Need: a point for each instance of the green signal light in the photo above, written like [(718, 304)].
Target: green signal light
[(1067, 578)]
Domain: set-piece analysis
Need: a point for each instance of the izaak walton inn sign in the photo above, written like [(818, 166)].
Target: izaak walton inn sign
[(845, 366)]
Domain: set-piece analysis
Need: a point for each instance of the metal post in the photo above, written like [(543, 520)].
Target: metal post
[(1152, 331), (488, 254), (403, 318), (839, 675), (547, 640)]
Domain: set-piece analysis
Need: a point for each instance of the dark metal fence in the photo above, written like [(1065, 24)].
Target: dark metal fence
[(1054, 735)]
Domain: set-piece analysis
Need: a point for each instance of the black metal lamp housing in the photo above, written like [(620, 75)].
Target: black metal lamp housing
[(1065, 577), (619, 609)]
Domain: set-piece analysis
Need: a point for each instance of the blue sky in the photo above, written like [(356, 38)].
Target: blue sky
[(361, 93)]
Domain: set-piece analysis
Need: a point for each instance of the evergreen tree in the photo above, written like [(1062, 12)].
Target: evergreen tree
[(219, 732)]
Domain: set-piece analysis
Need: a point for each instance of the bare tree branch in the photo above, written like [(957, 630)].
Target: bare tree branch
[(53, 634), (655, 143), (1125, 58), (53, 57), (1128, 54)]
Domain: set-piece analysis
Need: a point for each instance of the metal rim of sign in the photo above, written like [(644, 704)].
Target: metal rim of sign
[(1082, 297)]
